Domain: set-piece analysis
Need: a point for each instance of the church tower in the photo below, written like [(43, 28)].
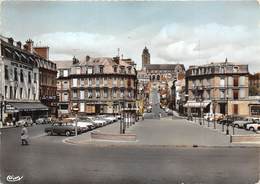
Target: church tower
[(145, 57)]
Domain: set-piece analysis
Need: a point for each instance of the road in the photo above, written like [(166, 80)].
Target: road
[(49, 160)]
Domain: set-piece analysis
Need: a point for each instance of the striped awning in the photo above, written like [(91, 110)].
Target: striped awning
[(194, 104)]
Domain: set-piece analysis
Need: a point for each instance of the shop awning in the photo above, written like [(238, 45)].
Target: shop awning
[(28, 106), (193, 104)]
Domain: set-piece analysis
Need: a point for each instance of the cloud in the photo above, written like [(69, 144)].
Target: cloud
[(173, 43)]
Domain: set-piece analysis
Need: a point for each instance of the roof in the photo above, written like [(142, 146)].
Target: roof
[(163, 66), (63, 63)]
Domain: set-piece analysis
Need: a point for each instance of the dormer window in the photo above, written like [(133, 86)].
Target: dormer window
[(101, 69), (122, 69), (129, 69), (90, 70), (235, 69), (115, 69)]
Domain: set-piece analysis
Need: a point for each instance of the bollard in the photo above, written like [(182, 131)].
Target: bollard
[(227, 131), (233, 129), (222, 127)]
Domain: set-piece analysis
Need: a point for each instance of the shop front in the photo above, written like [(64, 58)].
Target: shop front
[(17, 110)]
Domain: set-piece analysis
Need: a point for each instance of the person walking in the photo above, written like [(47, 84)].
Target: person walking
[(24, 136)]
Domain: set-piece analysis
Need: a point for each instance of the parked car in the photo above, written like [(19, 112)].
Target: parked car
[(98, 122), (84, 124), (25, 120), (41, 120), (61, 128), (241, 123), (254, 126), (212, 116)]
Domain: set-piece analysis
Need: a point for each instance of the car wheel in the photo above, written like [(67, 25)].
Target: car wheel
[(252, 129), (67, 133), (236, 125), (49, 133)]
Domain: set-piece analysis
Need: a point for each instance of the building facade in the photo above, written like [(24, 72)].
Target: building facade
[(254, 84), (218, 87), (97, 86), (20, 86)]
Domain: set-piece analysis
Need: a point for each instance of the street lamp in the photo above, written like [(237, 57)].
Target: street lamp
[(2, 105), (173, 95)]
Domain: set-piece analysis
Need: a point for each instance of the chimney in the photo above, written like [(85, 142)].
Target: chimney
[(42, 51), (29, 43), (11, 40), (19, 44), (116, 60)]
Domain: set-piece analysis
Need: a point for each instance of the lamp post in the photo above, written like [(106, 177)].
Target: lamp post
[(2, 104), (173, 95)]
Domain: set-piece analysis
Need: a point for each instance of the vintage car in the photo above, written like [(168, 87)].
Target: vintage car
[(61, 128), (25, 120)]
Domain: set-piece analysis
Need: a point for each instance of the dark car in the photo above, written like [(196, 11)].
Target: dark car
[(61, 128)]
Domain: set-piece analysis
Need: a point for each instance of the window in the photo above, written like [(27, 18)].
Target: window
[(65, 96), (97, 81), (64, 106), (89, 93), (90, 82), (122, 69), (21, 93), (82, 107), (235, 81), (235, 69), (15, 74), (35, 78), (78, 70), (114, 81), (29, 93), (74, 94), (58, 73), (115, 69), (11, 92), (129, 69), (65, 73), (105, 93), (6, 91), (74, 82), (222, 94), (65, 85), (21, 76), (82, 82), (6, 73), (235, 94), (101, 69), (97, 93), (114, 93), (129, 94), (235, 109), (90, 70), (105, 81), (29, 77), (242, 80), (222, 82), (242, 93), (82, 94), (121, 93), (122, 83)]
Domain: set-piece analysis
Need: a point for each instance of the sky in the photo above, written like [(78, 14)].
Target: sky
[(186, 32)]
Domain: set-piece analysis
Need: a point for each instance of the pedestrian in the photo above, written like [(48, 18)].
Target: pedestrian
[(24, 136)]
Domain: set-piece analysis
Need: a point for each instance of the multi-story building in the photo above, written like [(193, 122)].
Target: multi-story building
[(19, 80), (254, 84), (97, 86), (218, 87)]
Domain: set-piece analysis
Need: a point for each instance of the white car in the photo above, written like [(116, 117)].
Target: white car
[(98, 121), (84, 124), (26, 121), (253, 126)]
